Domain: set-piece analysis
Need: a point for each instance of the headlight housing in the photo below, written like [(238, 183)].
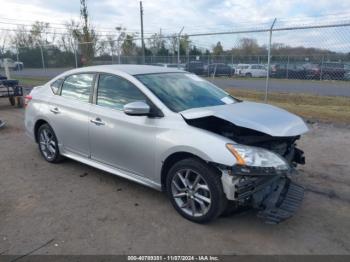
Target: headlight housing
[(257, 157)]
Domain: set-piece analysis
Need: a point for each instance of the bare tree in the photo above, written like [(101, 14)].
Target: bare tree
[(36, 36), (4, 41), (120, 39), (173, 43), (68, 41), (85, 35), (156, 43), (184, 44), (129, 46), (22, 38), (218, 49), (249, 46)]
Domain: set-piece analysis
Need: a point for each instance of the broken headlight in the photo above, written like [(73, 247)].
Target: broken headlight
[(250, 156)]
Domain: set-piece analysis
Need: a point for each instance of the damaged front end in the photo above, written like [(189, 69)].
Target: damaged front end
[(266, 164), (276, 197)]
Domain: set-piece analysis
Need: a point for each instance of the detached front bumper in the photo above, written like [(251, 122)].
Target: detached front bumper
[(276, 197), (282, 203)]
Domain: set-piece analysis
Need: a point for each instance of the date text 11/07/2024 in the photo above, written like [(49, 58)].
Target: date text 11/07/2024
[(173, 258)]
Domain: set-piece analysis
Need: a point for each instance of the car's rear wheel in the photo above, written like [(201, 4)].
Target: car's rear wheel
[(248, 75), (195, 190), (48, 144)]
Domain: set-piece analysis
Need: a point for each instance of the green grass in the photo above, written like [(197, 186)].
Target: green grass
[(31, 81), (321, 108)]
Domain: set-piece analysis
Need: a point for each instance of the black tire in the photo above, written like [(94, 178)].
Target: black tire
[(53, 157), (248, 75), (210, 177), (20, 102), (12, 101)]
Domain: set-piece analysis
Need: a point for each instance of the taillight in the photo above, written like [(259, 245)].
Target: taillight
[(27, 100)]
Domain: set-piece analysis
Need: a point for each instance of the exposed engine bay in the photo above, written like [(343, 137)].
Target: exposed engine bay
[(275, 195), (284, 146)]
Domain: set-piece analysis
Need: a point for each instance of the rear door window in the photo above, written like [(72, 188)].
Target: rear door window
[(78, 87)]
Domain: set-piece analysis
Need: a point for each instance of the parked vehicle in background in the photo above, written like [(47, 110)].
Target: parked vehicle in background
[(347, 72), (233, 66), (347, 76), (196, 67), (172, 131), (178, 66), (240, 67), (219, 69), (325, 71), (294, 71), (251, 70), (14, 65)]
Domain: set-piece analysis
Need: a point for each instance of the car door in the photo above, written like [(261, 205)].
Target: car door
[(256, 71), (69, 112), (245, 69), (123, 141)]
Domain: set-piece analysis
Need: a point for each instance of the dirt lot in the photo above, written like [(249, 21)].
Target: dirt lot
[(81, 210)]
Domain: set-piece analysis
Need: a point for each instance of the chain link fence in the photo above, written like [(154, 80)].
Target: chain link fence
[(302, 58)]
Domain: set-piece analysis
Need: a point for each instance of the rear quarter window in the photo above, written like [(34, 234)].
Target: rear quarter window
[(55, 86)]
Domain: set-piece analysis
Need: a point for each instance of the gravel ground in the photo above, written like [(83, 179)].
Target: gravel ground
[(77, 209)]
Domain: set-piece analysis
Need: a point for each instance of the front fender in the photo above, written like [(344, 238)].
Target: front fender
[(206, 145)]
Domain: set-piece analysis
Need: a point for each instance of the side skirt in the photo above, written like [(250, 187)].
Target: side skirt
[(114, 171)]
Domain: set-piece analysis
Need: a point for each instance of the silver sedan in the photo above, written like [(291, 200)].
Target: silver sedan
[(173, 131)]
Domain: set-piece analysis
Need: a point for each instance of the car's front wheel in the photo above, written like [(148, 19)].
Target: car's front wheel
[(48, 144), (195, 190)]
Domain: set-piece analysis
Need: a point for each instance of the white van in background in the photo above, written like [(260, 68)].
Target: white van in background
[(251, 70), (14, 65)]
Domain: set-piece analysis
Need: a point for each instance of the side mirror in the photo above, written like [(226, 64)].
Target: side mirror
[(138, 108)]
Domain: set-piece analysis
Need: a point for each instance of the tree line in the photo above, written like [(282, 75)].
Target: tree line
[(81, 41)]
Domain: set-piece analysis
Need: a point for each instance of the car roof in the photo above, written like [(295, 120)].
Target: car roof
[(128, 69)]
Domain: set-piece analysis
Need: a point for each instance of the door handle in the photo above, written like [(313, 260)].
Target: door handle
[(97, 121), (55, 110)]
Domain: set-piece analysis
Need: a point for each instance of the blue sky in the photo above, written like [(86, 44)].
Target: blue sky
[(170, 16)]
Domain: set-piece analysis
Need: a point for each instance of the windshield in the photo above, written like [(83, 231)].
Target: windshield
[(181, 91)]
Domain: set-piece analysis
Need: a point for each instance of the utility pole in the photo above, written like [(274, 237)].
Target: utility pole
[(269, 61), (42, 56), (143, 43), (178, 47), (74, 46)]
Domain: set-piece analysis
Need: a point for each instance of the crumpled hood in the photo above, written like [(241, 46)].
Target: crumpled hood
[(264, 118)]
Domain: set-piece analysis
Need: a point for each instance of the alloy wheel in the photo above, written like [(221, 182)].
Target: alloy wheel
[(191, 192), (47, 143)]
